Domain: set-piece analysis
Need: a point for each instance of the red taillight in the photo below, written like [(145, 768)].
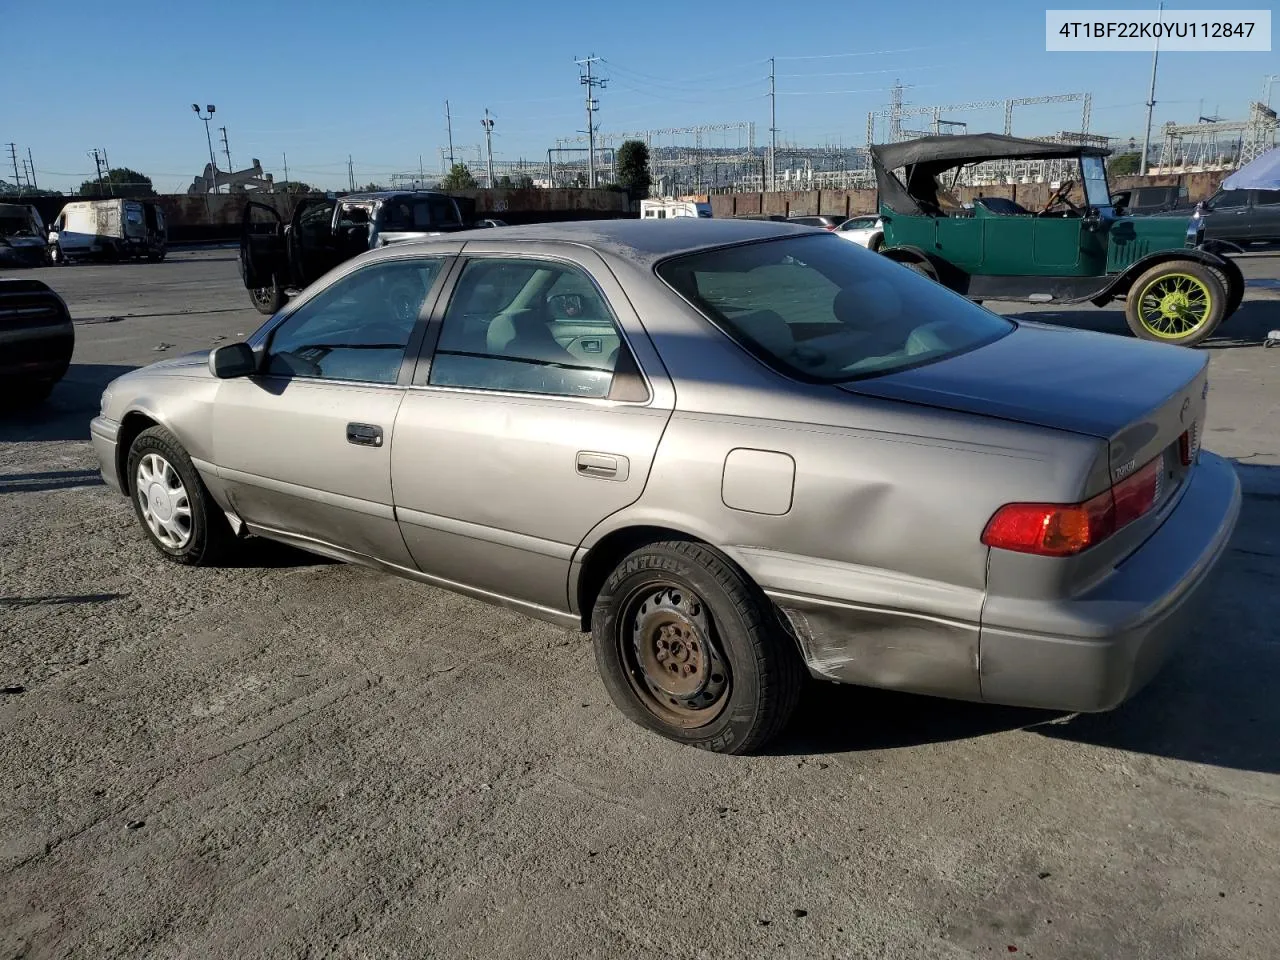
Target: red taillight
[(1189, 445), (1063, 530)]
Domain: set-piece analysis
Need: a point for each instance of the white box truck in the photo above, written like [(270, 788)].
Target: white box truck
[(108, 230)]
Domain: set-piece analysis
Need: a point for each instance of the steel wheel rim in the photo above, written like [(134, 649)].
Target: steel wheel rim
[(671, 655), (1174, 305), (163, 501), (262, 295)]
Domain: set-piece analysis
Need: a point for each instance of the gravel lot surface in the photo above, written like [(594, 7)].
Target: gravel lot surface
[(296, 758)]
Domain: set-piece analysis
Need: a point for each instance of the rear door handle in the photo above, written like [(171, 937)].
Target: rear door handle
[(603, 466), (364, 434)]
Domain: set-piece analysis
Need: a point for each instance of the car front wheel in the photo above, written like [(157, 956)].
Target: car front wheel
[(689, 647), (1180, 302), (176, 511)]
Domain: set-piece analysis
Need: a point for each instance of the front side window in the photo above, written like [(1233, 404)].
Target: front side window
[(1230, 198), (357, 329), (820, 309), (527, 326)]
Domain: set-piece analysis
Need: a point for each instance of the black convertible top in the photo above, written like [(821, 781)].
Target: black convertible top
[(926, 157), (949, 151)]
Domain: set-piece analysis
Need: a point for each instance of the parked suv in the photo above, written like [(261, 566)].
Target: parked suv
[(1242, 216)]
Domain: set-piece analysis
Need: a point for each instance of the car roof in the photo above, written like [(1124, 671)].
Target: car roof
[(641, 242)]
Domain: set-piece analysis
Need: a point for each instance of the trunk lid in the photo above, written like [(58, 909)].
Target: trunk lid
[(1140, 397)]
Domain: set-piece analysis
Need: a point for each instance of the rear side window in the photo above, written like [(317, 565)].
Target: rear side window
[(1267, 197), (821, 309)]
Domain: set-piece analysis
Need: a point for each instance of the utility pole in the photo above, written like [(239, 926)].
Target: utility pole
[(351, 174), (213, 164), (32, 164), (488, 144), (97, 162), (1151, 104), (226, 148), (285, 157), (773, 129), (13, 155), (593, 105), (448, 122)]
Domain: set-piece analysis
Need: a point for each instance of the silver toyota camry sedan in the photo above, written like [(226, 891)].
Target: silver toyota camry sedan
[(735, 452)]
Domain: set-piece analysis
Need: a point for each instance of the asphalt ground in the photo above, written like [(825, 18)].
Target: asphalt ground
[(296, 758)]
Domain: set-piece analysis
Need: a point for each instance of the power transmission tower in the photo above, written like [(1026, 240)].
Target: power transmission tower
[(488, 144), (590, 82), (13, 155), (226, 148), (773, 130), (448, 122)]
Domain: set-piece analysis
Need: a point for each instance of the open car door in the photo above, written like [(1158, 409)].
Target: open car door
[(311, 245), (262, 246)]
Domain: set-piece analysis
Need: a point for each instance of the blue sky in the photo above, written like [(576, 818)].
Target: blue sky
[(321, 80)]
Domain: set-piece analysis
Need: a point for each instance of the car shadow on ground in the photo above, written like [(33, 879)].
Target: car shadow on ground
[(1247, 327), (1215, 702), (67, 412)]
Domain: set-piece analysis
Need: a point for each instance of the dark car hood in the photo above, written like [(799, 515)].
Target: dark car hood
[(1086, 383)]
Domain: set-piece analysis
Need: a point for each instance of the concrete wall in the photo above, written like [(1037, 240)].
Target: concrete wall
[(848, 203)]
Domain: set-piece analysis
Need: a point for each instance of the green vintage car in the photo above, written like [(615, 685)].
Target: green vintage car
[(1175, 286)]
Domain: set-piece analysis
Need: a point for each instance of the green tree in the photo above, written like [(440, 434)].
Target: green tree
[(458, 178), (294, 186), (1124, 164), (119, 182), (373, 188), (631, 168)]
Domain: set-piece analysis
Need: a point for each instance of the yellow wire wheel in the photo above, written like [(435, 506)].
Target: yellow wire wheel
[(1180, 301)]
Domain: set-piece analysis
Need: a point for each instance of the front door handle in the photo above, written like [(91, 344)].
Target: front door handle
[(364, 434), (603, 466)]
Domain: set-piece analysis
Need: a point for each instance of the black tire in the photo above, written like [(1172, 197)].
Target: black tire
[(1212, 283), (210, 539), (267, 300), (704, 616), (57, 257), (921, 268), (876, 242)]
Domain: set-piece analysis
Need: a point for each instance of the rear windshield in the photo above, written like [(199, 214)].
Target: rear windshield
[(821, 309), (419, 213)]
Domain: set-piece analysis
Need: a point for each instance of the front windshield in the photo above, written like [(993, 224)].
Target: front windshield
[(1095, 182), (17, 227), (821, 309)]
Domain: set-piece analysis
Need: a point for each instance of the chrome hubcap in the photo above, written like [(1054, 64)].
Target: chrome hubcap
[(163, 499)]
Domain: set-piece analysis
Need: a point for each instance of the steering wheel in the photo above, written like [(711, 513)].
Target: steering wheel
[(1060, 196)]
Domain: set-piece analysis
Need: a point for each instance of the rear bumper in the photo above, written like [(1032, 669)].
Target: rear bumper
[(1085, 654), (36, 353), (1093, 652), (103, 435)]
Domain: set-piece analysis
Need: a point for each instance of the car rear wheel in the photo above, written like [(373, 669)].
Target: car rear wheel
[(176, 511), (268, 300), (689, 647), (1180, 302)]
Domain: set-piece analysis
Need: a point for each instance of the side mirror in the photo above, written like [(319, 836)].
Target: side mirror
[(232, 360)]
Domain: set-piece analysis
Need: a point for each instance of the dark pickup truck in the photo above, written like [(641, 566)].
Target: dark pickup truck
[(277, 259)]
